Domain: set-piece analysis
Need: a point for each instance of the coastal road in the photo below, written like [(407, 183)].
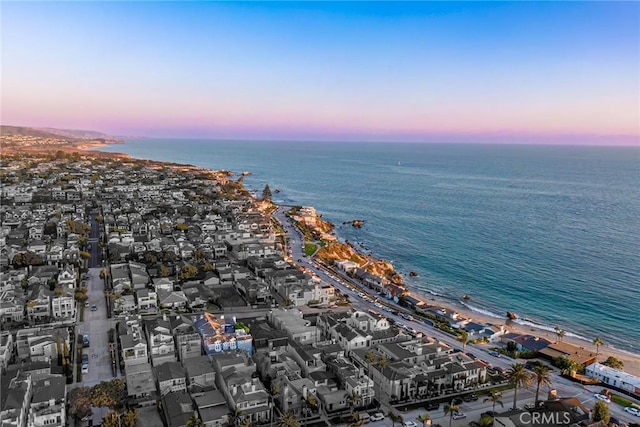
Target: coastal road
[(352, 288)]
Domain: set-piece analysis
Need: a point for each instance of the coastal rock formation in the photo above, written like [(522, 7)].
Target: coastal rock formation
[(357, 223), (340, 251)]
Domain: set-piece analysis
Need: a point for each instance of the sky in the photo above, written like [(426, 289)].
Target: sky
[(535, 72)]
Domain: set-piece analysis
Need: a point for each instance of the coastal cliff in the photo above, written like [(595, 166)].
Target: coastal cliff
[(339, 251)]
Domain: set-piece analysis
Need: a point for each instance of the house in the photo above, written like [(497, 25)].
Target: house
[(525, 342), (220, 336), (147, 300), (614, 377), (177, 408), (170, 378), (48, 403), (172, 299), (212, 408), (200, 374), (141, 386), (576, 353), (134, 350), (6, 350), (186, 337), (15, 401), (63, 304), (160, 340)]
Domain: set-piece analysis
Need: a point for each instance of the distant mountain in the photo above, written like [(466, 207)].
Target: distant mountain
[(72, 135)]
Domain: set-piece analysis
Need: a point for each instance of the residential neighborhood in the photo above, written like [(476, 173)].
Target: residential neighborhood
[(142, 293)]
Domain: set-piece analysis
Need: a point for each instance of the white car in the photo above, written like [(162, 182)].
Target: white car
[(633, 411), (85, 369), (459, 415), (409, 424), (378, 416), (602, 397)]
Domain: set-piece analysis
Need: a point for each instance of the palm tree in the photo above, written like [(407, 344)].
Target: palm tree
[(597, 341), (451, 409), (463, 338), (395, 418), (273, 392), (494, 397), (287, 419), (425, 419), (519, 377), (485, 421), (561, 334), (194, 421), (369, 357), (542, 377), (557, 330), (381, 363)]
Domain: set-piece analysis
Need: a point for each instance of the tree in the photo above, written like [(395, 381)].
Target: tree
[(109, 394), (601, 412), (355, 420), (246, 423), (451, 409), (463, 337), (395, 418), (494, 397), (80, 402), (597, 341), (194, 421), (112, 419), (424, 418), (613, 362), (369, 357), (519, 377), (131, 418), (164, 271), (288, 420), (485, 421), (266, 193), (188, 271), (542, 377)]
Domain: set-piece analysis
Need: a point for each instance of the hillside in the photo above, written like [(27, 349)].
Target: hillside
[(6, 130)]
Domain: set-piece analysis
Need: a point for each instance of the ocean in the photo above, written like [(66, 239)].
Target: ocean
[(549, 232)]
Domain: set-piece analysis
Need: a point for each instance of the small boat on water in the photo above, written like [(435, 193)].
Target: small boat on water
[(277, 190), (466, 296), (413, 274), (511, 315)]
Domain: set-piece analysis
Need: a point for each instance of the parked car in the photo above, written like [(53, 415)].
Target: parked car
[(409, 424), (633, 411), (85, 340), (456, 401), (94, 307), (85, 369), (378, 416), (86, 304), (602, 397), (431, 406), (459, 415), (85, 359), (470, 397)]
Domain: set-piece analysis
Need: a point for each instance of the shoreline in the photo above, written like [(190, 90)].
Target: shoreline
[(630, 359)]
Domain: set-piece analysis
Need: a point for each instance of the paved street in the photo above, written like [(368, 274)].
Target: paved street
[(96, 325)]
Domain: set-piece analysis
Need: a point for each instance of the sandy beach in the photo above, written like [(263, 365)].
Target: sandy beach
[(631, 361)]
